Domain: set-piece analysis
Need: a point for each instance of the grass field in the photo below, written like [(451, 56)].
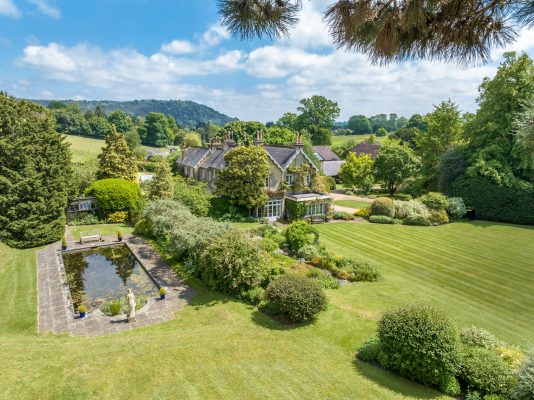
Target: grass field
[(85, 148), (103, 229), (218, 348), (352, 203), (340, 139)]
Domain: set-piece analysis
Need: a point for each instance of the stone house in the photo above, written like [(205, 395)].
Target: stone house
[(330, 161), (289, 184)]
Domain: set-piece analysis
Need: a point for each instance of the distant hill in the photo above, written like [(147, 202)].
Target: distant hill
[(186, 113)]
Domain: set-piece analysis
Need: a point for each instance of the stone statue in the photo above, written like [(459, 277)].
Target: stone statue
[(131, 305)]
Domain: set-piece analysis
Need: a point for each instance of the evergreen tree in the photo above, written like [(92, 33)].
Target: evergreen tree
[(162, 185), (35, 170), (116, 159)]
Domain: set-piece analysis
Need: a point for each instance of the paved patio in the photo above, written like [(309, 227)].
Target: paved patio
[(55, 310)]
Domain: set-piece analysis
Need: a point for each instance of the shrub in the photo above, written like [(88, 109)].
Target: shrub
[(485, 371), (232, 263), (269, 245), (412, 208), (342, 215), (451, 387), (456, 208), (512, 357), (419, 343), (269, 231), (120, 306), (363, 272), (478, 337), (524, 389), (438, 217), (307, 252), (86, 219), (299, 234), (327, 281), (369, 351), (116, 195), (193, 194), (473, 395), (117, 217), (298, 297), (416, 220), (381, 219), (435, 201), (383, 206), (363, 213), (252, 296)]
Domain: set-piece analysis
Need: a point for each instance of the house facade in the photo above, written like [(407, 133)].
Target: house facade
[(289, 184), (330, 161)]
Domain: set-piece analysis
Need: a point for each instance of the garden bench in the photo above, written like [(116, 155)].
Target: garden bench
[(86, 237), (317, 219)]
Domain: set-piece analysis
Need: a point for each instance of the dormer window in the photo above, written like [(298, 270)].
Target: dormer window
[(290, 179)]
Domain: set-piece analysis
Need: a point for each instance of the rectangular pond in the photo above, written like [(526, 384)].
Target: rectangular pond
[(99, 275)]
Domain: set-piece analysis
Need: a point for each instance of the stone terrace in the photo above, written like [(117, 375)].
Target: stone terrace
[(55, 309)]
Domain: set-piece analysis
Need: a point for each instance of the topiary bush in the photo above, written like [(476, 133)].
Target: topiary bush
[(420, 343), (485, 371), (232, 263), (296, 296), (381, 219), (435, 201), (300, 233), (383, 206), (116, 195), (478, 337), (456, 208)]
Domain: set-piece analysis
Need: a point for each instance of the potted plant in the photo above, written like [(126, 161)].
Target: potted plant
[(82, 310), (119, 236), (162, 293), (64, 242)]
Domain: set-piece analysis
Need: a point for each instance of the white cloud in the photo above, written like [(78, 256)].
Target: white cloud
[(178, 47), (51, 57), (215, 35), (7, 7), (46, 8)]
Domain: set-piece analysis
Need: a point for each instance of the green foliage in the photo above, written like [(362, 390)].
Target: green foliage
[(435, 201), (298, 297), (308, 251), (232, 263), (116, 195), (438, 217), (383, 206), (120, 306), (451, 387), (496, 203), (359, 271), (370, 349), (252, 296), (192, 139), (478, 337), (193, 194), (116, 159), (133, 140), (523, 149), (357, 172), (456, 208), (444, 128), (381, 132), (410, 208), (406, 136), (83, 175), (381, 219), (394, 164), (524, 389), (300, 233), (343, 215), (327, 281), (317, 116), (416, 219), (35, 173), (162, 184), (117, 217), (420, 343), (156, 130), (242, 180), (181, 233), (485, 371), (359, 125), (363, 213), (473, 395), (122, 121), (86, 219), (280, 135)]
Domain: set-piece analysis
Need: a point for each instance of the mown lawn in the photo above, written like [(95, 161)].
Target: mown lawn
[(219, 348), (103, 229), (341, 139), (86, 148), (352, 203)]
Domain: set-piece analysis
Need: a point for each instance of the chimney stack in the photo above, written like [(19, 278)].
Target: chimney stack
[(298, 142), (229, 142), (259, 138)]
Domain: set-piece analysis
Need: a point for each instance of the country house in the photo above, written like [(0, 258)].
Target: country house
[(289, 184)]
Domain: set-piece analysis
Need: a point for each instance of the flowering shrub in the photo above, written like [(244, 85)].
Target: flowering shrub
[(383, 206), (456, 208)]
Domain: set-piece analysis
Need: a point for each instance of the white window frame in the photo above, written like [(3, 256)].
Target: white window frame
[(315, 209), (290, 179), (271, 209), (268, 182)]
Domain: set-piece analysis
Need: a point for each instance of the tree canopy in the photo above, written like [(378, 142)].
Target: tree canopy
[(116, 159), (394, 164), (317, 116), (390, 31), (35, 170)]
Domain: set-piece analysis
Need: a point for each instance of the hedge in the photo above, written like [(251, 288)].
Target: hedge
[(496, 203), (116, 195)]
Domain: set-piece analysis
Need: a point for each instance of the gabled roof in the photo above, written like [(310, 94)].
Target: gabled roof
[(366, 148), (325, 153), (280, 154), (192, 156), (331, 168), (215, 159)]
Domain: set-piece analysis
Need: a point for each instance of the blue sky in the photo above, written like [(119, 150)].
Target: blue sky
[(159, 49)]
